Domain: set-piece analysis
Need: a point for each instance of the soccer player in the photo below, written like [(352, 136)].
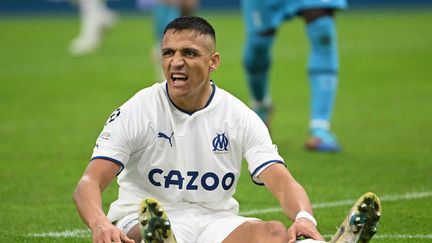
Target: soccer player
[(262, 20), (96, 17), (180, 144)]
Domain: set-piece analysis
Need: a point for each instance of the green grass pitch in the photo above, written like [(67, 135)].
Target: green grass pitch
[(53, 106)]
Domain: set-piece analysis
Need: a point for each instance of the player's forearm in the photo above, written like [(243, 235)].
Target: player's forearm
[(291, 195), (88, 200), (294, 199)]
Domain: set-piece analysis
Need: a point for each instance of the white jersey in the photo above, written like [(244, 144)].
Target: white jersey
[(182, 158)]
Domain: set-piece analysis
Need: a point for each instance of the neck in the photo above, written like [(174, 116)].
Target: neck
[(193, 102)]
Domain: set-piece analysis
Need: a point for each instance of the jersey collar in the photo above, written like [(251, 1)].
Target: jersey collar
[(190, 113)]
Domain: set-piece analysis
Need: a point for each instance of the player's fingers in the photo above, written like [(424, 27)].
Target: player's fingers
[(116, 238), (126, 239), (312, 232), (292, 236), (316, 235), (307, 229)]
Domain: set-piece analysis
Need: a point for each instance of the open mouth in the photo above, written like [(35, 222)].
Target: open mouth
[(179, 77)]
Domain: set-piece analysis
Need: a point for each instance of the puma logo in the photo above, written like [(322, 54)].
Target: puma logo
[(163, 135)]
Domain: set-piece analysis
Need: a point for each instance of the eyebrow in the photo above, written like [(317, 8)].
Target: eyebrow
[(185, 49), (190, 49)]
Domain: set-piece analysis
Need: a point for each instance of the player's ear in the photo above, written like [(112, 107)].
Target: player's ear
[(214, 61)]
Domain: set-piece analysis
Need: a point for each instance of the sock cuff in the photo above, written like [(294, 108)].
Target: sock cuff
[(319, 123)]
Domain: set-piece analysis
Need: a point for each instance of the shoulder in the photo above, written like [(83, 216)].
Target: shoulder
[(237, 113), (141, 106), (231, 100), (150, 92), (145, 98), (234, 106)]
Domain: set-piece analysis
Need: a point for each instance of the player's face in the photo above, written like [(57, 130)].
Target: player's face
[(188, 58)]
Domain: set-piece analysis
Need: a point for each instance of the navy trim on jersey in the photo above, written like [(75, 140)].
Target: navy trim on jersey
[(262, 165), (212, 94), (190, 113), (118, 162)]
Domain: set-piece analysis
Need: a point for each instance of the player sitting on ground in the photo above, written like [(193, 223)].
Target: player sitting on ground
[(182, 142)]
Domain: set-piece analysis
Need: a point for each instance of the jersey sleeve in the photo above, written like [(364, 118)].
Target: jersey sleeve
[(116, 141), (260, 152)]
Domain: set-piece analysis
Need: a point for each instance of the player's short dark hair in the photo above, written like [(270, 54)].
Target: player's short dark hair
[(194, 23)]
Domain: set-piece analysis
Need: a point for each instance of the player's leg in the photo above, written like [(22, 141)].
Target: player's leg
[(228, 227), (257, 61), (187, 7), (163, 13), (95, 17), (261, 20), (362, 221), (129, 226), (323, 76), (258, 231)]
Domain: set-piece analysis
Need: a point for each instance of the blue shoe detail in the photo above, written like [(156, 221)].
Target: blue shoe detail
[(322, 140)]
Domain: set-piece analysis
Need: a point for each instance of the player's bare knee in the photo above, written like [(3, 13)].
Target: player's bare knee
[(276, 231)]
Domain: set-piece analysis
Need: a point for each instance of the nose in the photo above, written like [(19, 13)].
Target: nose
[(177, 60)]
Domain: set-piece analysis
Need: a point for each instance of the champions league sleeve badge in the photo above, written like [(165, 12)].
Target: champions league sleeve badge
[(113, 116)]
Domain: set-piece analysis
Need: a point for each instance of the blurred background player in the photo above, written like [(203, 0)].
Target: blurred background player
[(262, 19), (96, 17)]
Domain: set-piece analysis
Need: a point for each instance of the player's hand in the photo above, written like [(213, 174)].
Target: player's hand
[(106, 232), (303, 227)]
